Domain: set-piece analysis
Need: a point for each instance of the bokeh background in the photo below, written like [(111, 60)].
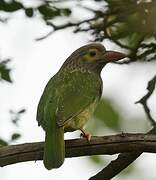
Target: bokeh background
[(33, 62)]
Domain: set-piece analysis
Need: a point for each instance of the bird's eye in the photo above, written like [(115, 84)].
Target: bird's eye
[(92, 53)]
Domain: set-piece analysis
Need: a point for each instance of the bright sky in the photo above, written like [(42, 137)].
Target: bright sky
[(33, 64)]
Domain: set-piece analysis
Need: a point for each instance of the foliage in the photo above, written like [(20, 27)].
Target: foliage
[(46, 9), (15, 117), (107, 115), (3, 142), (130, 24), (5, 71)]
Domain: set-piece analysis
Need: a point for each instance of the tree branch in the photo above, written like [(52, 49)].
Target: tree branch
[(121, 162), (143, 100), (81, 147), (125, 159), (63, 26)]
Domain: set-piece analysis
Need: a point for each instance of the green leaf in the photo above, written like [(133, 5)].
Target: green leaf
[(29, 12), (133, 40), (66, 11), (15, 136), (48, 11), (107, 114), (3, 143), (5, 71), (5, 74), (10, 6), (97, 159)]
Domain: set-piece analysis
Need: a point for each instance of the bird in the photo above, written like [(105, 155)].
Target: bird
[(70, 98)]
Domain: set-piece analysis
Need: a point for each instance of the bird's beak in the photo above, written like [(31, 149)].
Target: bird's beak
[(111, 56)]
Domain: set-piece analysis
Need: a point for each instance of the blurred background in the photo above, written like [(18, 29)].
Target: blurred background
[(35, 39)]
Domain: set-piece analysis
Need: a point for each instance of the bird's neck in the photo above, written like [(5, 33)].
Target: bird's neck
[(84, 68)]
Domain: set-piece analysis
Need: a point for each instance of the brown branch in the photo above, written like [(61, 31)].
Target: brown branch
[(121, 162), (125, 159), (81, 147), (143, 100), (63, 26)]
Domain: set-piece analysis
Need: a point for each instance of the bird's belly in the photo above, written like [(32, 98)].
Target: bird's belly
[(80, 120)]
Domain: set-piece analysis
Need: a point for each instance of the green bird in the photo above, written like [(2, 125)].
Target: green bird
[(70, 98)]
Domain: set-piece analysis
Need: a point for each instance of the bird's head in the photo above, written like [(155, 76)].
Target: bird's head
[(92, 57)]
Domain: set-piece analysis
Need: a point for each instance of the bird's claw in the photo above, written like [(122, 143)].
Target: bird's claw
[(85, 135)]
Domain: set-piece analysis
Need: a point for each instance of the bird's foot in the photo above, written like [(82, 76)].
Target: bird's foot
[(85, 135)]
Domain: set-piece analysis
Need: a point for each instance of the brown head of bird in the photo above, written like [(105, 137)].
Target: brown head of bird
[(92, 57)]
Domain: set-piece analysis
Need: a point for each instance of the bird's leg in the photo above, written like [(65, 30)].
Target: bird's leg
[(85, 134)]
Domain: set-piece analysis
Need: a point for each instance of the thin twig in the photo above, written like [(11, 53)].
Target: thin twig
[(63, 26), (125, 159), (143, 100)]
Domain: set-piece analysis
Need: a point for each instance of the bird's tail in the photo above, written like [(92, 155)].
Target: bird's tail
[(54, 147)]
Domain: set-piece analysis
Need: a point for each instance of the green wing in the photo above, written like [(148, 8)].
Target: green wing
[(54, 150), (45, 98), (74, 91), (78, 91)]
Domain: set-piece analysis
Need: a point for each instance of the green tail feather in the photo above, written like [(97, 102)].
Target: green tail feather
[(54, 150), (54, 147)]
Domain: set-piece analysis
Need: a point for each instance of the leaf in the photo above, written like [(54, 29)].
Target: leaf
[(5, 72), (107, 114), (48, 11), (10, 6), (29, 12), (15, 136), (3, 143), (15, 120), (97, 159), (66, 11), (16, 115), (21, 111)]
